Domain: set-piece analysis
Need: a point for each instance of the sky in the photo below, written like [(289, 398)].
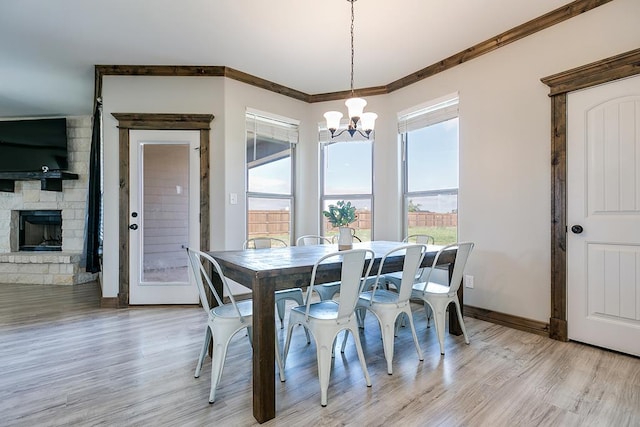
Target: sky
[(432, 163)]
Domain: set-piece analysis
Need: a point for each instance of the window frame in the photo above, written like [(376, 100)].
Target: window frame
[(326, 141), (290, 197), (429, 114)]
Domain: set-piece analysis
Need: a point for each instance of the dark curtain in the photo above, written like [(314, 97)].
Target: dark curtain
[(95, 196)]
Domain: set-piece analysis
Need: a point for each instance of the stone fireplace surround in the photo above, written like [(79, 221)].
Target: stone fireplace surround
[(50, 268)]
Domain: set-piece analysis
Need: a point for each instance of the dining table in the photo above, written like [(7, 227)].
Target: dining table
[(266, 270)]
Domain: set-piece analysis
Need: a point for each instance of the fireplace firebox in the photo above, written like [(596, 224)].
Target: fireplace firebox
[(40, 230)]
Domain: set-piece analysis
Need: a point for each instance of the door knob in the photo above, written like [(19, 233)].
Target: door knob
[(133, 226), (577, 229)]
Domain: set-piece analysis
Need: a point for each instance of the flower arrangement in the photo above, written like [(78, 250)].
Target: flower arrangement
[(341, 214)]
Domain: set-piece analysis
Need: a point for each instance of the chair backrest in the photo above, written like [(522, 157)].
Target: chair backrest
[(311, 239), (462, 255), (263, 243), (413, 256), (422, 239), (199, 271), (351, 278)]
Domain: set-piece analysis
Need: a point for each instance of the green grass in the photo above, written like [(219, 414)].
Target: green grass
[(442, 235)]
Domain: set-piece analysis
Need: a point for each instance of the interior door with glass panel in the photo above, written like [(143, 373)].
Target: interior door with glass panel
[(164, 215)]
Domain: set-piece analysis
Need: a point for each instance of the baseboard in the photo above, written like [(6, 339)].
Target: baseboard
[(515, 322), (109, 302), (237, 297)]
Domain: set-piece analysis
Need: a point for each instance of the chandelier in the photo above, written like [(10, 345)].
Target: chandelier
[(359, 122)]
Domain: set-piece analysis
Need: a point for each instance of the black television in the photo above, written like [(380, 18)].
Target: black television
[(38, 145)]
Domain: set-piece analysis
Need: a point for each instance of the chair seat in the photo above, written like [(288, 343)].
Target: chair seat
[(381, 296), (327, 291), (322, 310), (432, 288), (229, 311), (396, 275)]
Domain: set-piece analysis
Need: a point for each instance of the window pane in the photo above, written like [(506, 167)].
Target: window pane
[(269, 217), (269, 165), (347, 168), (432, 157), (435, 215), (165, 213), (362, 224)]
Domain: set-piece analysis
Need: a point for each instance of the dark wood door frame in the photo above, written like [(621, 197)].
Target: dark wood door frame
[(134, 121), (607, 70)]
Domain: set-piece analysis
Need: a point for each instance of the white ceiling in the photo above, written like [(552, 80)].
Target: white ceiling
[(48, 47)]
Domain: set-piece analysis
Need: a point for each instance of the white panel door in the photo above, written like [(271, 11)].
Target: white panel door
[(164, 215), (603, 198)]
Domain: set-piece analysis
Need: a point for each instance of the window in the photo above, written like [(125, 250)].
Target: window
[(429, 138), (347, 174), (271, 144)]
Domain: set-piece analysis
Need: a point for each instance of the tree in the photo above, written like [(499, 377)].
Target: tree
[(414, 207)]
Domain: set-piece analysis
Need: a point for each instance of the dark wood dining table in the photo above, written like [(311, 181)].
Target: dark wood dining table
[(266, 270)]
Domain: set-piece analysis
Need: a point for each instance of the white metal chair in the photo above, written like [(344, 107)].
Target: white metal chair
[(311, 239), (223, 321), (325, 319), (394, 278), (293, 294), (437, 296), (325, 291), (420, 239), (263, 243), (388, 305)]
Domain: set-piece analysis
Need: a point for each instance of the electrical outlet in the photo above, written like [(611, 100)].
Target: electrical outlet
[(468, 281)]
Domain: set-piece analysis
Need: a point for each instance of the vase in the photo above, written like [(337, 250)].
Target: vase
[(345, 239)]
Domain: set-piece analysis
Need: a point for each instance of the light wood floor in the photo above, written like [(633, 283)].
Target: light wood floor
[(64, 361)]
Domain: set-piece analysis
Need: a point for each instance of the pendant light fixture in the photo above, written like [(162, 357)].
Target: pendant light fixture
[(359, 122)]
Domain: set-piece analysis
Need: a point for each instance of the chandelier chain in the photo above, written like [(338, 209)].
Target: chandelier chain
[(360, 123), (352, 49)]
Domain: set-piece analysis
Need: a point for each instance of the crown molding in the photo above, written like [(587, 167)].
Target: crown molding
[(547, 20)]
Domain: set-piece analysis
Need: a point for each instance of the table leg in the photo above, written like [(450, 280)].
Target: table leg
[(454, 325), (264, 388)]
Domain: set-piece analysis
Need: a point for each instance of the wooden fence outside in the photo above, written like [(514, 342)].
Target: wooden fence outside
[(265, 222), (432, 219)]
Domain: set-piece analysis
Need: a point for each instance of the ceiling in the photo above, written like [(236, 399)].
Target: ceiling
[(48, 48)]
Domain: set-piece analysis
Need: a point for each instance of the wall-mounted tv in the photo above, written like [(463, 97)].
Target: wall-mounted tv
[(33, 145)]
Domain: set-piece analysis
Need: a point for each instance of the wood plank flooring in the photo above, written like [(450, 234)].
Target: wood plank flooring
[(65, 361)]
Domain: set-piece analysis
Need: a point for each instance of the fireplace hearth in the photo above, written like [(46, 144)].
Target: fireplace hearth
[(40, 230)]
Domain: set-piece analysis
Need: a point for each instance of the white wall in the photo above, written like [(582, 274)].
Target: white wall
[(504, 199), (505, 172), (227, 100), (240, 97)]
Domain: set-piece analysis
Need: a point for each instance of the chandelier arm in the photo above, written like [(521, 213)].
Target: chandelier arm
[(352, 131)]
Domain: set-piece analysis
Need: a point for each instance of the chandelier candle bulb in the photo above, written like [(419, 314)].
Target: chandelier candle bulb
[(368, 121), (356, 108), (333, 119)]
